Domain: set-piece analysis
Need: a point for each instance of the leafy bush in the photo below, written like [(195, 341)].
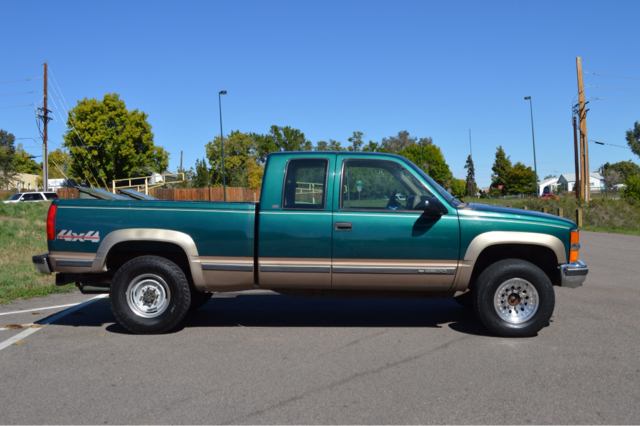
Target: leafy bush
[(632, 191)]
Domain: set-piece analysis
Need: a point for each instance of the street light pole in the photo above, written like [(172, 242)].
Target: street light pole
[(535, 166), (224, 183)]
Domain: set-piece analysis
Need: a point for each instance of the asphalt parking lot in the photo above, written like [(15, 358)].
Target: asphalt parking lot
[(258, 357)]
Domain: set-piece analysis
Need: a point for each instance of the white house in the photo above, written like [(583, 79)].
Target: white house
[(547, 186), (568, 181)]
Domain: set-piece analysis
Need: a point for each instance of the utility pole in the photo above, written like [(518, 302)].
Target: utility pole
[(181, 161), (45, 119), (576, 187), (470, 149), (582, 114)]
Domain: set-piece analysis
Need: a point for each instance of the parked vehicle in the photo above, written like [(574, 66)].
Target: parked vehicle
[(549, 196), (32, 196), (312, 234)]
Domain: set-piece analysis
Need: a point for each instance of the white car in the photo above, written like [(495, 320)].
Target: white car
[(32, 196)]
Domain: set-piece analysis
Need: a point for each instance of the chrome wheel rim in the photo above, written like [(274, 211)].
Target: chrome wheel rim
[(148, 296), (516, 301)]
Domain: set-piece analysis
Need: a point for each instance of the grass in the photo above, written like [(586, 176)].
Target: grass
[(19, 241), (600, 215)]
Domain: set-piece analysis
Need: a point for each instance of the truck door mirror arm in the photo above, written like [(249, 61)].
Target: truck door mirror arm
[(433, 207)]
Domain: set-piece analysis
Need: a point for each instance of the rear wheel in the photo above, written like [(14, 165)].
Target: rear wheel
[(514, 298), (149, 294)]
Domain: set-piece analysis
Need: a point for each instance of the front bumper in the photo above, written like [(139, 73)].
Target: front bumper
[(42, 263), (573, 274)]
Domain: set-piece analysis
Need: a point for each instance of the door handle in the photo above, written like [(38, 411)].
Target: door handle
[(343, 226)]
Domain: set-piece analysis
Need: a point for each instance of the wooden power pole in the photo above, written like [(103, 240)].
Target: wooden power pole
[(45, 119), (576, 187), (582, 115)]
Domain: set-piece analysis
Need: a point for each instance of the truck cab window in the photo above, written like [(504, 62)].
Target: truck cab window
[(381, 185), (305, 184)]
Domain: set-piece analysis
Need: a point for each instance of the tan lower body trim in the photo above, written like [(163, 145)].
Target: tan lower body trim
[(299, 272), (71, 261), (465, 269), (222, 273), (393, 274)]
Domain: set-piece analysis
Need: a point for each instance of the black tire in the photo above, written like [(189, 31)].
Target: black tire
[(149, 295), (198, 299), (465, 300), (514, 298)]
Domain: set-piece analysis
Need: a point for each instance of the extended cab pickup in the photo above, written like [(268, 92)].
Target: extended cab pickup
[(327, 224)]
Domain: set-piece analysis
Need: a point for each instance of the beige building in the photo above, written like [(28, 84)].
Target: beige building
[(24, 181)]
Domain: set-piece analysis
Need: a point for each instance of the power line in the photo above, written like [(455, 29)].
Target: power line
[(16, 106), (21, 93), (609, 87), (15, 68), (610, 144), (610, 99), (17, 81), (73, 125), (609, 75), (615, 63)]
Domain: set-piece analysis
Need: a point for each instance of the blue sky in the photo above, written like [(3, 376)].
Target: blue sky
[(330, 68)]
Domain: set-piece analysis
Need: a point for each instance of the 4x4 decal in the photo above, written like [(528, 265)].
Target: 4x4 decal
[(93, 236)]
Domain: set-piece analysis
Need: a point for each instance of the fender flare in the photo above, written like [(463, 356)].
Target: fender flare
[(181, 239), (482, 241), (487, 239)]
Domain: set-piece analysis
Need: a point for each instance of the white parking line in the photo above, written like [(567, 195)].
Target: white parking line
[(41, 309), (10, 341)]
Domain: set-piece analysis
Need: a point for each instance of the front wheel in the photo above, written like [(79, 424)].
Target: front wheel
[(514, 298), (149, 294)]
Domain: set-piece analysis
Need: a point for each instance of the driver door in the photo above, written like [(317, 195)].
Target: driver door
[(382, 239)]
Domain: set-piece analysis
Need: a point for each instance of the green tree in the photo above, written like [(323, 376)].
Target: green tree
[(470, 187), (280, 139), (458, 187), (25, 164), (633, 138), (501, 168), (623, 168), (335, 146), (8, 166), (107, 141), (520, 180), (202, 175), (433, 160), (356, 141), (371, 147), (322, 146), (59, 163), (394, 144), (632, 191), (239, 149)]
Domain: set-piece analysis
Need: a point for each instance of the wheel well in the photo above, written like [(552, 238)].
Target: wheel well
[(543, 257), (123, 252)]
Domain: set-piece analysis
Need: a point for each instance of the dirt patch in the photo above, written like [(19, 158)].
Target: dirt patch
[(12, 218)]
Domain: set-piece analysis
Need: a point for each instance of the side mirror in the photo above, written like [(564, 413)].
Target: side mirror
[(433, 207)]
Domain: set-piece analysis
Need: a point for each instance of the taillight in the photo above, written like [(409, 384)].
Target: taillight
[(51, 222), (575, 245)]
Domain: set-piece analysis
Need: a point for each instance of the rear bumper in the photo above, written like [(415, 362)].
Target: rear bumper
[(41, 262), (573, 274)]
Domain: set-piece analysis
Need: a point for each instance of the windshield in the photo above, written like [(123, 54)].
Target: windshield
[(15, 196), (450, 198)]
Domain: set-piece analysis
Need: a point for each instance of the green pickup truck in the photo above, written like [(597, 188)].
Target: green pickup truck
[(334, 224)]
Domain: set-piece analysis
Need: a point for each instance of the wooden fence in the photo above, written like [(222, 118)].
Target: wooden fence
[(189, 194), (206, 194)]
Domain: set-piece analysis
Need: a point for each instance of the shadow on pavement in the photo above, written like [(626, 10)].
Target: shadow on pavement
[(283, 311)]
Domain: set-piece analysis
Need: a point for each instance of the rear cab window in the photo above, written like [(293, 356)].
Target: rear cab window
[(305, 184)]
